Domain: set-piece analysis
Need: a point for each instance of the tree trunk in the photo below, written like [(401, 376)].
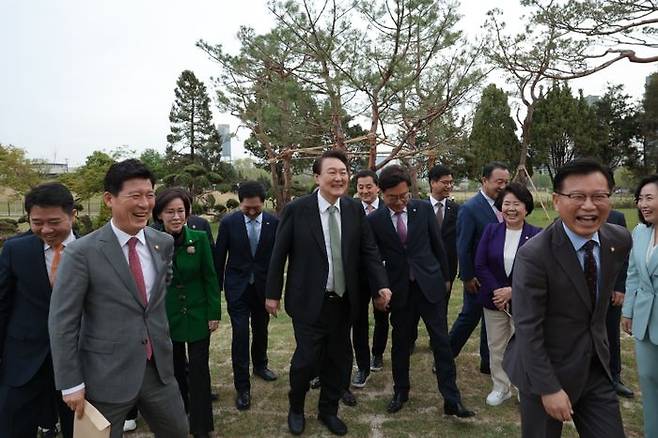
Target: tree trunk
[(521, 176)]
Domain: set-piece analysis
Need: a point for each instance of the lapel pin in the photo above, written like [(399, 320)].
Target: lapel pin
[(156, 247), (267, 223), (526, 237), (612, 249)]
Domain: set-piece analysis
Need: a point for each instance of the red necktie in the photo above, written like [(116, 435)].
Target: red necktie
[(55, 263), (138, 275)]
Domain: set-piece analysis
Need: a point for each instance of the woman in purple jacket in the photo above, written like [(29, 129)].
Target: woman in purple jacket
[(493, 267)]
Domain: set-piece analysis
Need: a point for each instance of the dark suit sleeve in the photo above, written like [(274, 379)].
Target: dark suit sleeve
[(482, 271), (437, 244), (620, 283), (221, 250), (531, 285), (6, 294), (465, 236), (372, 260), (282, 245)]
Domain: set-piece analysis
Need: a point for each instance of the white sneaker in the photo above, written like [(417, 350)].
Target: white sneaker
[(129, 425), (496, 398)]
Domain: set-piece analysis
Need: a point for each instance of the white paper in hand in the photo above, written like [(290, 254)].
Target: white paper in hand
[(92, 424)]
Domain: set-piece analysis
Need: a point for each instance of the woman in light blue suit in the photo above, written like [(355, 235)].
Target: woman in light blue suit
[(640, 310)]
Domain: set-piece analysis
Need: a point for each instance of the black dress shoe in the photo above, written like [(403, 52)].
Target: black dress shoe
[(296, 423), (348, 398), (457, 409), (200, 435), (396, 403), (623, 390), (243, 401), (265, 374), (333, 423), (315, 383), (360, 378), (214, 397), (377, 363)]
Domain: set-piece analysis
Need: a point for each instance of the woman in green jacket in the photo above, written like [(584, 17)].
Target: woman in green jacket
[(193, 306)]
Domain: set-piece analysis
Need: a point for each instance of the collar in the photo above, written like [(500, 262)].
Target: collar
[(65, 242), (393, 213), (578, 241), (324, 204), (489, 200), (375, 204), (258, 219), (124, 237), (434, 201)]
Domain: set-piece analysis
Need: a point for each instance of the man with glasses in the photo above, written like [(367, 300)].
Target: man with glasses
[(412, 252), (564, 278)]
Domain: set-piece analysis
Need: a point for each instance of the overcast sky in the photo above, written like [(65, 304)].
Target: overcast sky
[(80, 75)]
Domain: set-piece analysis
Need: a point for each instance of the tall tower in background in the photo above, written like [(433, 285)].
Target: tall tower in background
[(224, 132)]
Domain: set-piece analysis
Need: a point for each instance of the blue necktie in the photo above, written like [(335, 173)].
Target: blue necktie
[(253, 236)]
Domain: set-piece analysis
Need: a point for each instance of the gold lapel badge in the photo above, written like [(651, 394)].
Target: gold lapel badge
[(156, 247), (612, 249)]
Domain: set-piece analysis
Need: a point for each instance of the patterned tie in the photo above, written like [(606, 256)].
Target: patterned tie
[(369, 208), (336, 256), (439, 214), (590, 269), (138, 275), (57, 257), (401, 228)]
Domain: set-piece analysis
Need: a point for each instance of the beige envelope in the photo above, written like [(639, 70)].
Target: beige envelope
[(91, 425)]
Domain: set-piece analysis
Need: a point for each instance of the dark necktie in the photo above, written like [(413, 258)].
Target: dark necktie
[(590, 269), (401, 228), (138, 275), (439, 214)]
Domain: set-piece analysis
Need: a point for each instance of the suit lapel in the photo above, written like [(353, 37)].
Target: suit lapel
[(154, 244), (653, 260), (486, 207), (313, 214), (243, 234), (36, 248), (265, 231), (566, 257), (347, 225), (605, 270), (384, 217), (412, 221)]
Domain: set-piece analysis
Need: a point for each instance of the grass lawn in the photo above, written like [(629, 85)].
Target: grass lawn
[(422, 415)]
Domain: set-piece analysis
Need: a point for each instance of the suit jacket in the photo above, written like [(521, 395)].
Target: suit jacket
[(641, 300), (233, 242), (300, 241), (449, 236), (618, 218), (473, 216), (200, 224), (24, 302), (558, 330), (423, 253), (193, 295), (98, 324), (490, 262)]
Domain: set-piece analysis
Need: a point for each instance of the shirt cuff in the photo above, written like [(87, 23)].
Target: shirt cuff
[(74, 389)]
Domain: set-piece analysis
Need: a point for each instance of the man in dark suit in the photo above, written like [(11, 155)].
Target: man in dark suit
[(200, 224), (446, 210), (614, 316), (325, 239), (473, 216), (28, 267), (412, 251), (246, 237), (558, 357)]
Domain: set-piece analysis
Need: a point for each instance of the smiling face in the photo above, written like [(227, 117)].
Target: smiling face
[(51, 224), (333, 179), (173, 216), (251, 207), (496, 182), (132, 206), (367, 189), (514, 211), (647, 203), (442, 187), (586, 217)]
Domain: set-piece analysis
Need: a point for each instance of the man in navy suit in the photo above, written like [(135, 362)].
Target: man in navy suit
[(246, 237), (473, 216), (28, 267), (412, 252)]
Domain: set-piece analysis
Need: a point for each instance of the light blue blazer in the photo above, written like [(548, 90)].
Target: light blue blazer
[(641, 300)]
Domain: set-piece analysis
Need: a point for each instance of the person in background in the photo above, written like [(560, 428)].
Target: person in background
[(493, 267), (193, 307), (640, 309)]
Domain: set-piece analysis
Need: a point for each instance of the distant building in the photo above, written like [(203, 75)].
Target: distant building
[(224, 132), (50, 170)]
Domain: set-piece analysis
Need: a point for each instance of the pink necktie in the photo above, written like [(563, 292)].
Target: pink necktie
[(138, 275), (369, 209), (402, 228), (499, 215)]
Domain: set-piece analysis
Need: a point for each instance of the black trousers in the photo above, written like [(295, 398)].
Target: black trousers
[(433, 315), (250, 306), (361, 333), (380, 334), (37, 403), (195, 385), (324, 349), (596, 412), (612, 326)]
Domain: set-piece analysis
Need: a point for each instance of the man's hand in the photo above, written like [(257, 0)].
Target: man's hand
[(501, 297), (76, 402), (627, 325), (272, 306), (617, 298), (383, 300), (472, 285), (212, 325), (558, 405)]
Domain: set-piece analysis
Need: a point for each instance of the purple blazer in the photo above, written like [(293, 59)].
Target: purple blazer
[(489, 262)]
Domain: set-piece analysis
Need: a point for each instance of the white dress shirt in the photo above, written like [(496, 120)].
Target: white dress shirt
[(375, 205), (324, 205), (435, 205), (512, 239), (145, 259), (394, 219), (257, 225), (491, 203)]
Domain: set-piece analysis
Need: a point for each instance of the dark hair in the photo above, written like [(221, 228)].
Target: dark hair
[(488, 168), (392, 175), (367, 173), (331, 153), (437, 172), (166, 196), (521, 192), (51, 194), (580, 166), (651, 179), (251, 189), (120, 172)]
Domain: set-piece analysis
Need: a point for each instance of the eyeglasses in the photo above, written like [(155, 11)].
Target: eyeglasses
[(404, 197), (580, 198)]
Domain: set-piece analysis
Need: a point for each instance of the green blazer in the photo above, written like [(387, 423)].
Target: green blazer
[(193, 295)]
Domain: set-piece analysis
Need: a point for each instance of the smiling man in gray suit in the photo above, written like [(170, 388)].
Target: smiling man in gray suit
[(108, 327)]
